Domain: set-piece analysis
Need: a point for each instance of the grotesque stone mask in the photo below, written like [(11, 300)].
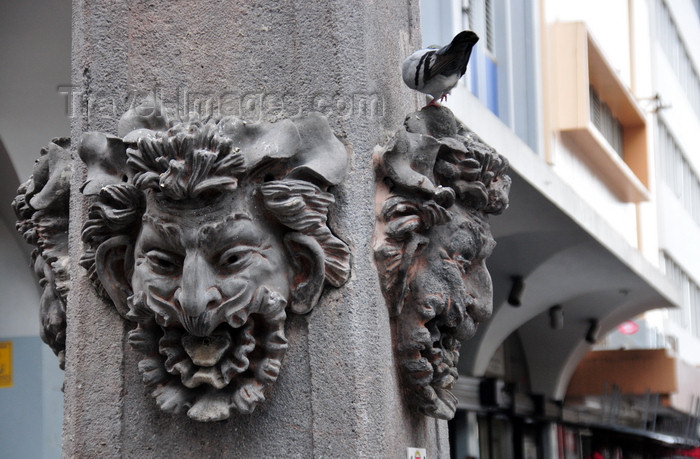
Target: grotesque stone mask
[(205, 233), (41, 207), (437, 183)]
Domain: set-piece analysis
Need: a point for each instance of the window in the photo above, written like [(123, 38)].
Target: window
[(676, 171), (503, 70), (677, 54), (605, 122), (688, 316), (597, 113), (478, 15)]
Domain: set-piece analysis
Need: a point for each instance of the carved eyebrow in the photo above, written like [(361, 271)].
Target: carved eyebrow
[(215, 226), (208, 234), (166, 231)]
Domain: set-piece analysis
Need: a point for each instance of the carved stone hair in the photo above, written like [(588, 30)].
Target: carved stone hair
[(436, 157), (186, 161)]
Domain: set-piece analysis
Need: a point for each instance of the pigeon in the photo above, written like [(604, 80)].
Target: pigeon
[(436, 71)]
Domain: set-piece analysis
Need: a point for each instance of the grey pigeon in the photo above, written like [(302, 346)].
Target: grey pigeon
[(436, 71)]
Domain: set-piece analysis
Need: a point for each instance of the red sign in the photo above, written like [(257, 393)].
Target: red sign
[(628, 328)]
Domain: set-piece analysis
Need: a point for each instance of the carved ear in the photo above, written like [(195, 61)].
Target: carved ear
[(113, 262), (309, 271)]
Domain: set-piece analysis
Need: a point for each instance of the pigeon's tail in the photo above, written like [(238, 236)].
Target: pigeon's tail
[(455, 56)]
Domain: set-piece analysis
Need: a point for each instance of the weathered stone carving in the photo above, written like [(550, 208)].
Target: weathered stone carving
[(202, 232), (41, 206), (437, 184)]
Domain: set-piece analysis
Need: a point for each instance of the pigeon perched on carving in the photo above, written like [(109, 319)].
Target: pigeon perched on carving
[(435, 71)]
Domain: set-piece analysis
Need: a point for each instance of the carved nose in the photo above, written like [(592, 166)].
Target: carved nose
[(198, 291)]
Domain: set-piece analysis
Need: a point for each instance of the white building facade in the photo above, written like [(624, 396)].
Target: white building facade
[(595, 104)]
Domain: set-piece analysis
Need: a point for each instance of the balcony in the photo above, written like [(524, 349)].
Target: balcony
[(580, 71)]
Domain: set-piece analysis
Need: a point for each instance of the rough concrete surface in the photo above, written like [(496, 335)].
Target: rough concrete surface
[(338, 394)]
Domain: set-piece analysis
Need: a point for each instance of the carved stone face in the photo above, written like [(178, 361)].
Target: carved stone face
[(199, 267), (450, 294), (456, 273), (437, 184), (213, 283), (203, 233), (41, 206)]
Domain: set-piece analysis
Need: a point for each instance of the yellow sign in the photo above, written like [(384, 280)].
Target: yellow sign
[(5, 363)]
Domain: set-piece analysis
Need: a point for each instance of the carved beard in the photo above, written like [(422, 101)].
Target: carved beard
[(210, 376), (429, 351), (439, 314)]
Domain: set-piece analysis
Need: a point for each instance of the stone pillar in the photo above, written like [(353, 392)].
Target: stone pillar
[(338, 392)]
